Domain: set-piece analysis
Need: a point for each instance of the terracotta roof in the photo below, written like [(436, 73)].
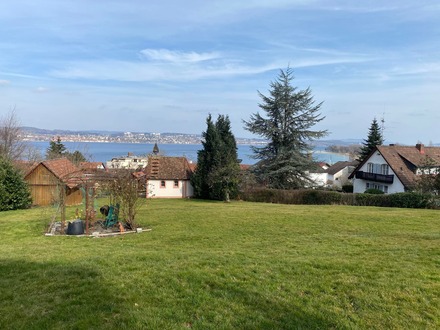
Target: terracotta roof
[(91, 165), (61, 168), (168, 168), (24, 166), (404, 160)]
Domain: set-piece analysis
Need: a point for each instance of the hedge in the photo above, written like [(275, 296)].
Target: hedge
[(323, 197)]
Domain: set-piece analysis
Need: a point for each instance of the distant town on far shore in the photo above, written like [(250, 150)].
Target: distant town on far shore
[(37, 134)]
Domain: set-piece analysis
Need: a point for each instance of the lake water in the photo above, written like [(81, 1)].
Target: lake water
[(102, 152)]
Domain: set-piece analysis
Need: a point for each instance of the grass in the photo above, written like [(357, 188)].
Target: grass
[(212, 265)]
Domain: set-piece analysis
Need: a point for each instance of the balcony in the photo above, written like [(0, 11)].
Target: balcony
[(374, 177)]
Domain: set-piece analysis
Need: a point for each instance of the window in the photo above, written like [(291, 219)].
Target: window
[(162, 184), (370, 185), (176, 183), (384, 168), (378, 168)]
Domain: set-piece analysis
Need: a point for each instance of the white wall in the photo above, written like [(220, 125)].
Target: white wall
[(359, 185), (154, 189), (320, 179)]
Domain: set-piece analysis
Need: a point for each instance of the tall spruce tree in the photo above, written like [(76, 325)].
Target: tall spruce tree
[(217, 171), (56, 149), (374, 139), (290, 116)]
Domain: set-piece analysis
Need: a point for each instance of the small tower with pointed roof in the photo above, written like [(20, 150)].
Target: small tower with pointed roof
[(155, 149)]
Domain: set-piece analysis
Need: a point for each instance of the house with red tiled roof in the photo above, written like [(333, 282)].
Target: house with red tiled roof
[(395, 168), (46, 178), (92, 166), (168, 177)]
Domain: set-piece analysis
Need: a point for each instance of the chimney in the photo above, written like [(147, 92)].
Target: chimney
[(421, 148)]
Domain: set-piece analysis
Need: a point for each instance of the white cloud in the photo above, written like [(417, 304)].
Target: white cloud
[(4, 82), (41, 89), (167, 65), (177, 56)]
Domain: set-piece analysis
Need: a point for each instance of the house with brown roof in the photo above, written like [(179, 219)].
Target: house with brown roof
[(168, 177), (332, 176), (394, 168), (46, 178), (338, 173), (92, 166)]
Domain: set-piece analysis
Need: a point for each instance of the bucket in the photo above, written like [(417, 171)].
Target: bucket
[(75, 228)]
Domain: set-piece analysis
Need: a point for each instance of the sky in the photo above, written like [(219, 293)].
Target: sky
[(163, 66)]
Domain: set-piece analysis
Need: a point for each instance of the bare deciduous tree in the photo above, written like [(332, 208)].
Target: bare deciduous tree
[(11, 144), (124, 190)]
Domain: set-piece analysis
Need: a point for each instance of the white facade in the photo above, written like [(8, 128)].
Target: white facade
[(129, 162), (377, 164), (319, 179), (169, 189), (341, 177)]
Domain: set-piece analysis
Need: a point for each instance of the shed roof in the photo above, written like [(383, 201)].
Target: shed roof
[(62, 168)]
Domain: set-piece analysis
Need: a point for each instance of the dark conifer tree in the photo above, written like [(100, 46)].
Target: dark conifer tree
[(290, 117), (374, 139), (224, 176), (56, 149), (216, 175), (14, 192)]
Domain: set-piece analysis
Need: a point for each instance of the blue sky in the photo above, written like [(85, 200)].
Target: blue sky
[(163, 66)]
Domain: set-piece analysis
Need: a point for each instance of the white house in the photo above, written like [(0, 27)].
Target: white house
[(335, 175), (168, 177), (394, 169), (319, 174), (130, 161), (338, 173)]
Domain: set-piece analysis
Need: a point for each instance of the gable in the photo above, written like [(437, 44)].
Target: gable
[(60, 169), (168, 168), (403, 160)]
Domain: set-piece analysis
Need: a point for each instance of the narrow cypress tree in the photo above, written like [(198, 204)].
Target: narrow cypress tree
[(206, 158), (216, 175), (374, 139), (224, 176)]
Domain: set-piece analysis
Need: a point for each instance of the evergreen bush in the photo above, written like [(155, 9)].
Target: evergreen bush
[(14, 192)]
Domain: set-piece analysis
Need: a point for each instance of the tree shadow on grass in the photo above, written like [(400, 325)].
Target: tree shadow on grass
[(36, 295), (218, 304)]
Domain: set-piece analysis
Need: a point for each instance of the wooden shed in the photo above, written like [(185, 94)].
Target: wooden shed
[(46, 178)]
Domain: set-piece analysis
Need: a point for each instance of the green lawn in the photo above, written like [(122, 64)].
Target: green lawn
[(213, 265)]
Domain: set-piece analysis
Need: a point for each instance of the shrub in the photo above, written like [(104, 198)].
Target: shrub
[(374, 191), (348, 188), (322, 197), (14, 192), (411, 200)]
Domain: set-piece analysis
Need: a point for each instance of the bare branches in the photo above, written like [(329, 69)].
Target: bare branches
[(11, 145)]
